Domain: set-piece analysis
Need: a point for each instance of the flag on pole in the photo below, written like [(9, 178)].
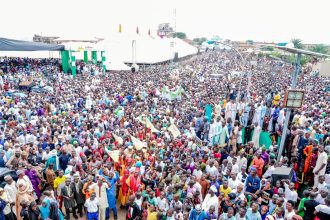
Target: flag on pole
[(103, 60), (85, 56), (94, 57), (65, 60), (137, 143), (120, 30), (73, 63), (137, 30), (118, 139), (114, 154), (145, 121)]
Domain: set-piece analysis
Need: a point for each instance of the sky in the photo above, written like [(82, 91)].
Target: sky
[(258, 20)]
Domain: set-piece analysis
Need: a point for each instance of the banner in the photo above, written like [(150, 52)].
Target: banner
[(118, 139), (65, 61), (137, 143), (103, 60), (114, 154), (85, 56), (145, 121), (172, 95), (174, 130), (94, 57), (73, 63)]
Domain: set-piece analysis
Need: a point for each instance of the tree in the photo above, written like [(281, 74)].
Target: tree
[(320, 48), (297, 43), (199, 40), (250, 42), (180, 35)]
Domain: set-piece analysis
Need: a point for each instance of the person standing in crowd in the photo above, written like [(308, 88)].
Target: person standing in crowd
[(144, 137), (100, 189), (91, 205)]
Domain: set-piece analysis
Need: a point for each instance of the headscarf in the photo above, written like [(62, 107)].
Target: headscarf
[(44, 210)]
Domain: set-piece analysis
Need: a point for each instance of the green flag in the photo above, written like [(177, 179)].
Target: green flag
[(65, 61), (73, 63), (85, 56), (103, 60), (94, 57)]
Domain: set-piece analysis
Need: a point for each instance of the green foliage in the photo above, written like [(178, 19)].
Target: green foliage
[(276, 54), (180, 35), (304, 59), (199, 40), (268, 48), (320, 48), (250, 42), (297, 43)]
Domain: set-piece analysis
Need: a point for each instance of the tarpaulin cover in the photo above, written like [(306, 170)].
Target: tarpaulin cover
[(18, 45)]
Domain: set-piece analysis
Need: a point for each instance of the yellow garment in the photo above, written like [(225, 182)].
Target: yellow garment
[(152, 215), (58, 181), (276, 100), (225, 191)]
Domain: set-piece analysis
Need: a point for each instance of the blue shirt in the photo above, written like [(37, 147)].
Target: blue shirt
[(254, 182)]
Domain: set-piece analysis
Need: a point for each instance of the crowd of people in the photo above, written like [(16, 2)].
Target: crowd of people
[(164, 144)]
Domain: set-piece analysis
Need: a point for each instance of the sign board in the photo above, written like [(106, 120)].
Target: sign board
[(293, 98)]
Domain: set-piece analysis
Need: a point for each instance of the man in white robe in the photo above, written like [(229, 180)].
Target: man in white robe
[(257, 114), (11, 190), (211, 200), (212, 131), (256, 134), (100, 189), (218, 129), (224, 134)]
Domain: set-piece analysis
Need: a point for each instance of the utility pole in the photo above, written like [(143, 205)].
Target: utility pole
[(298, 53), (288, 112)]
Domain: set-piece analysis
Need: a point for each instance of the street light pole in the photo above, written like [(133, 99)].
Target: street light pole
[(288, 112)]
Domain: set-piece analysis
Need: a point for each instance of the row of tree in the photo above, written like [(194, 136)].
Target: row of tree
[(318, 48), (298, 43)]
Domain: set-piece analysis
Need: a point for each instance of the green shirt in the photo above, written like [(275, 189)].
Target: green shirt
[(302, 206)]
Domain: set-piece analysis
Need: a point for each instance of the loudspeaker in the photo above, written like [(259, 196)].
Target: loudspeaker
[(281, 173), (176, 56)]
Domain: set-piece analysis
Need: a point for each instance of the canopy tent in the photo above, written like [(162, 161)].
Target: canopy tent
[(31, 54), (147, 49), (18, 45)]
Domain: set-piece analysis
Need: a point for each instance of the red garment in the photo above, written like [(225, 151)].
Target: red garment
[(134, 183), (99, 150), (217, 155), (123, 183)]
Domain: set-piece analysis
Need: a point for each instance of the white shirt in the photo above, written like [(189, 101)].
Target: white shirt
[(288, 215), (269, 172), (289, 194), (233, 183), (235, 169), (323, 208), (92, 205), (197, 173), (162, 203), (209, 201), (213, 171), (320, 199), (11, 192), (321, 159), (241, 162), (139, 201)]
